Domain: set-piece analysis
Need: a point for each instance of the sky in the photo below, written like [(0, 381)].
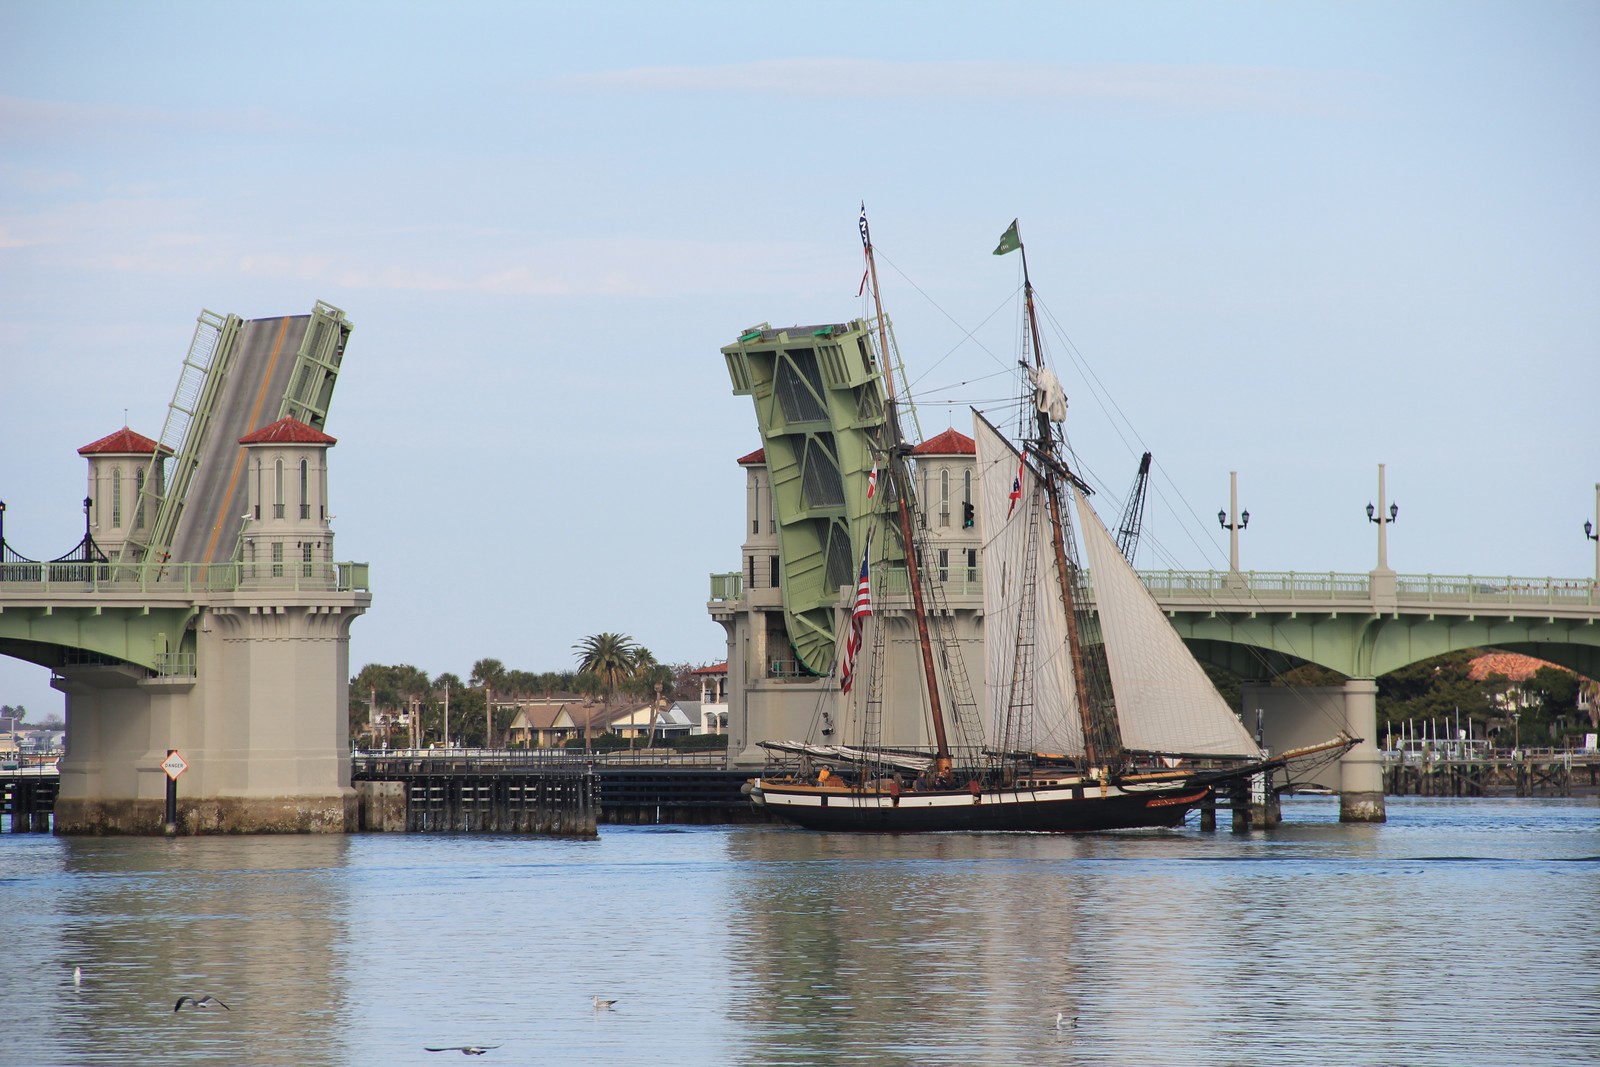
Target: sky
[(1291, 240)]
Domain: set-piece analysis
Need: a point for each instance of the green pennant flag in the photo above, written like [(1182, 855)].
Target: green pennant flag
[(1009, 241)]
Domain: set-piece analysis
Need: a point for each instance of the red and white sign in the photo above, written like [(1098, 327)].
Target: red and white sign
[(174, 765)]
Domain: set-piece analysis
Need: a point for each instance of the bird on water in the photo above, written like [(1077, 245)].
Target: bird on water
[(465, 1050), (1064, 1023), (200, 1002), (601, 1004)]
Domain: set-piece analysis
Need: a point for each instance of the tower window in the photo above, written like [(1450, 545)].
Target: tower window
[(277, 500), (116, 496), (305, 491)]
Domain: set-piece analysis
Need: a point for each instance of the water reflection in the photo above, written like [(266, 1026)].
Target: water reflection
[(258, 922), (1457, 933)]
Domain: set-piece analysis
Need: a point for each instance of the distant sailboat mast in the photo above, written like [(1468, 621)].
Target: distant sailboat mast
[(902, 492)]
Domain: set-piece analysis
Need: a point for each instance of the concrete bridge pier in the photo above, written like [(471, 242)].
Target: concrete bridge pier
[(1361, 769), (262, 724)]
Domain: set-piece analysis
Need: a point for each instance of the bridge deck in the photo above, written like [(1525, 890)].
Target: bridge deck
[(250, 399)]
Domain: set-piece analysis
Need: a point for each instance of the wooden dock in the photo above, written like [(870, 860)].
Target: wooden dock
[(519, 791), (1533, 773)]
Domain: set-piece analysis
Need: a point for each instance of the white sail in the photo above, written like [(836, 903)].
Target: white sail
[(1039, 711), (1165, 701)]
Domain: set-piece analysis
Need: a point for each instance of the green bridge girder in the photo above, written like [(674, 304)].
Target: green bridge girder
[(819, 401), (153, 637), (1334, 620)]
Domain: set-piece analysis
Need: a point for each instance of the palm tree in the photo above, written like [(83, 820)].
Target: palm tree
[(609, 657)]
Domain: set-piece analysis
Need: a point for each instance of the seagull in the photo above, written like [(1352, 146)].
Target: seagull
[(200, 1002), (602, 1005), (465, 1050), (77, 977), (1064, 1023)]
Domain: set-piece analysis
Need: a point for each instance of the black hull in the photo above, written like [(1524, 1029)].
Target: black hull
[(999, 812)]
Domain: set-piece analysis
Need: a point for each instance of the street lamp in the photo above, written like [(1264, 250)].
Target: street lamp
[(1233, 527), (1375, 514)]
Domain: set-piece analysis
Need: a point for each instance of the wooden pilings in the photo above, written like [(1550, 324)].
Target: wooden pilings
[(29, 800), (559, 802), (1524, 775)]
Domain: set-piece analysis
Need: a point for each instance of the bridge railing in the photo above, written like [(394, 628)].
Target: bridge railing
[(1332, 585), (186, 579)]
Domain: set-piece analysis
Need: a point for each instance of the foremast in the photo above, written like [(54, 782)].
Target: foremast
[(1102, 741), (896, 450)]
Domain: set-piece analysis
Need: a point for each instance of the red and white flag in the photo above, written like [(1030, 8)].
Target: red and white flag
[(872, 480), (858, 616), (1016, 485)]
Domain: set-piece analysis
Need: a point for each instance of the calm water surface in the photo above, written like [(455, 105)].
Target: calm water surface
[(1461, 932)]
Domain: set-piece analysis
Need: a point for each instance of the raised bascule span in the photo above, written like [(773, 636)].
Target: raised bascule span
[(239, 376)]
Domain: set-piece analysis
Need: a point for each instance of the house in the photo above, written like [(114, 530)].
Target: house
[(679, 719), (713, 703)]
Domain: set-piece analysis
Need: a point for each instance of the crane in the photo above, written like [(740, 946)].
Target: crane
[(1133, 514)]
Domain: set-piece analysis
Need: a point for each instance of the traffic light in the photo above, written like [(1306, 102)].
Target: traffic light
[(966, 515)]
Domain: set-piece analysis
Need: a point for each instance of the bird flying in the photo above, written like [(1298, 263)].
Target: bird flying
[(200, 1002)]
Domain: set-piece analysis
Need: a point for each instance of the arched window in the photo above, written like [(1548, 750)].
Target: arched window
[(305, 490), (138, 500), (116, 496), (277, 500), (944, 497)]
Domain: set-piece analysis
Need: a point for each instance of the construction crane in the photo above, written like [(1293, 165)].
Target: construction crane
[(1133, 514)]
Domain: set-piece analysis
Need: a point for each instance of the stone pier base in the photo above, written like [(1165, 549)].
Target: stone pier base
[(383, 806), (1362, 807), (213, 815)]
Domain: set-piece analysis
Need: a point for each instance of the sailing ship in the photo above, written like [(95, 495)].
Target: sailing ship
[(1095, 717)]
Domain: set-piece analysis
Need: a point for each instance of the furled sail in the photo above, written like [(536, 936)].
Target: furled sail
[(1165, 701), (1032, 701)]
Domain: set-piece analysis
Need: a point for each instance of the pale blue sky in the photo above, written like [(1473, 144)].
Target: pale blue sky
[(1293, 240)]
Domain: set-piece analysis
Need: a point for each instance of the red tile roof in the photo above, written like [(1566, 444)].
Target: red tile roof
[(1511, 665), (715, 668), (758, 456), (950, 443), (124, 442), (287, 431)]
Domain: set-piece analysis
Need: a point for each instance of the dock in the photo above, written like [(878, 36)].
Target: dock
[(1452, 772)]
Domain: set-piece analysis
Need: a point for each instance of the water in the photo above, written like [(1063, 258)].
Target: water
[(1461, 932)]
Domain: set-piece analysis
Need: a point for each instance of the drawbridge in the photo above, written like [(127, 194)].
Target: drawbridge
[(138, 608), (238, 376), (819, 400)]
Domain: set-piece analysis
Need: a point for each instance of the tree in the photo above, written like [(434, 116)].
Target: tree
[(608, 656)]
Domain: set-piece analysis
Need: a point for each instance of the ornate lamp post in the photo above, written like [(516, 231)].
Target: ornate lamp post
[(1233, 520), (1375, 514)]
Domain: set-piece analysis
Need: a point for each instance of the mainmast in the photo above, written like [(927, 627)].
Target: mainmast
[(1052, 466), (898, 477)]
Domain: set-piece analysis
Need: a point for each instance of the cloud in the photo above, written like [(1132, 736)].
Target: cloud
[(1171, 85), (26, 119)]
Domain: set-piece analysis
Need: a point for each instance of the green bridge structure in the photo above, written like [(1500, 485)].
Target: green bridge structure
[(819, 400), (204, 612)]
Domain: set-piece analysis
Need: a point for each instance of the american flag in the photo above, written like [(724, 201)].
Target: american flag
[(872, 480), (858, 616), (1016, 485)]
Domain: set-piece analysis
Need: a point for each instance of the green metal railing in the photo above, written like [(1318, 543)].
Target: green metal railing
[(186, 579), (1410, 588), (1275, 585)]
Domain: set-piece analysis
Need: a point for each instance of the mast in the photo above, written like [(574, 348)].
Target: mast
[(1050, 464), (902, 489)]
